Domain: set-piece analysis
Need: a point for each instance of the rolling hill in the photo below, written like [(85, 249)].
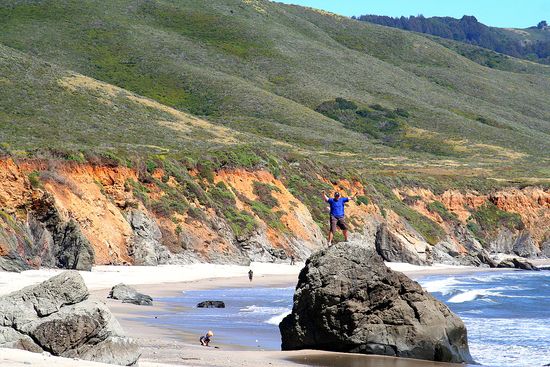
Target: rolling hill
[(531, 43), (263, 69)]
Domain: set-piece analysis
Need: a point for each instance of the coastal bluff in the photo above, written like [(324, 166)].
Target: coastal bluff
[(347, 300)]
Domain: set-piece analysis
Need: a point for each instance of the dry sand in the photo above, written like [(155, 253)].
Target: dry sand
[(168, 346)]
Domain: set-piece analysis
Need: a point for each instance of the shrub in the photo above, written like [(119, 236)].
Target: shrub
[(264, 194), (344, 104), (34, 180), (362, 200), (242, 223), (438, 207), (490, 218), (167, 205), (221, 196), (151, 166), (138, 190), (401, 112), (206, 171)]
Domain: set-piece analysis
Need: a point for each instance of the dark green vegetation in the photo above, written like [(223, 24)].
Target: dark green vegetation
[(439, 208), (488, 219), (531, 44), (301, 93)]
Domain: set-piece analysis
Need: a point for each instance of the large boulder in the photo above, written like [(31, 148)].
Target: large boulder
[(56, 316), (127, 294), (347, 300)]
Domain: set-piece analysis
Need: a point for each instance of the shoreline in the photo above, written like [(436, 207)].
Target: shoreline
[(134, 320), (171, 346)]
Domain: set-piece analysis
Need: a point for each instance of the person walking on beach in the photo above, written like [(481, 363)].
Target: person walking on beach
[(337, 215), (291, 259), (205, 339), (250, 274)]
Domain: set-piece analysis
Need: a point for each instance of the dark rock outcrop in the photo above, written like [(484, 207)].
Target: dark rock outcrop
[(391, 248), (128, 294), (503, 242), (57, 317), (347, 300), (517, 264), (525, 246), (71, 249), (13, 239), (146, 247), (211, 304)]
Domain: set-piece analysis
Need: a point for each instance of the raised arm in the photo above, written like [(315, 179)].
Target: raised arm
[(325, 197)]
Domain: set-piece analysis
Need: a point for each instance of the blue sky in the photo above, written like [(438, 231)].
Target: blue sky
[(497, 13)]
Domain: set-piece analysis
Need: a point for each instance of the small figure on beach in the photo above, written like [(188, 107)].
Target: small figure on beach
[(250, 274), (337, 215), (291, 259), (205, 339)]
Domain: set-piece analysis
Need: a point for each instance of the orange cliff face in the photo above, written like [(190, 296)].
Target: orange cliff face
[(103, 204), (120, 229), (87, 194), (532, 204)]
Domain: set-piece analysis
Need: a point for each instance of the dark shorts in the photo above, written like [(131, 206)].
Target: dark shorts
[(337, 222)]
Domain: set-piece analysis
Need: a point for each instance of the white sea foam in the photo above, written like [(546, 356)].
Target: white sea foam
[(276, 320), (491, 345), (473, 295), (443, 286), (264, 310)]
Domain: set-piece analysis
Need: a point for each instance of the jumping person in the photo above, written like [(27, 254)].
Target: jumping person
[(337, 215)]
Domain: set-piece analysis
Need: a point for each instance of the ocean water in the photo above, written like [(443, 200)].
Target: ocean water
[(250, 318), (507, 314)]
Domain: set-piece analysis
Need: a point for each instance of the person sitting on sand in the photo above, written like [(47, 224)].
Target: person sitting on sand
[(337, 215), (205, 339)]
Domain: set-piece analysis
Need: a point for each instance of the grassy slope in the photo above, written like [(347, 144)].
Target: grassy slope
[(262, 68)]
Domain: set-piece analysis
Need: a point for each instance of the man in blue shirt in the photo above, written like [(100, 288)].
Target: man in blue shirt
[(337, 215)]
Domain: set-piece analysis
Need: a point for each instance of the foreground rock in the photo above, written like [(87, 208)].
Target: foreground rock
[(347, 300), (57, 317), (211, 304), (127, 294)]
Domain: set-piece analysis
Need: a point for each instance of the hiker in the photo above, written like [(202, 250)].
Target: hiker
[(337, 215), (205, 339), (291, 259), (250, 274)]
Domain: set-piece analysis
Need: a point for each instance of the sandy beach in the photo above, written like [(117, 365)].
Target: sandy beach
[(169, 346)]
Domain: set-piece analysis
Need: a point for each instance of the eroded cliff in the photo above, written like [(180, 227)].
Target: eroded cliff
[(73, 215)]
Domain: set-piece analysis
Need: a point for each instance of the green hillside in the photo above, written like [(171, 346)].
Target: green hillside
[(275, 77)]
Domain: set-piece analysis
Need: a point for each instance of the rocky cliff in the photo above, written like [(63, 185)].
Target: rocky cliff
[(72, 215)]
